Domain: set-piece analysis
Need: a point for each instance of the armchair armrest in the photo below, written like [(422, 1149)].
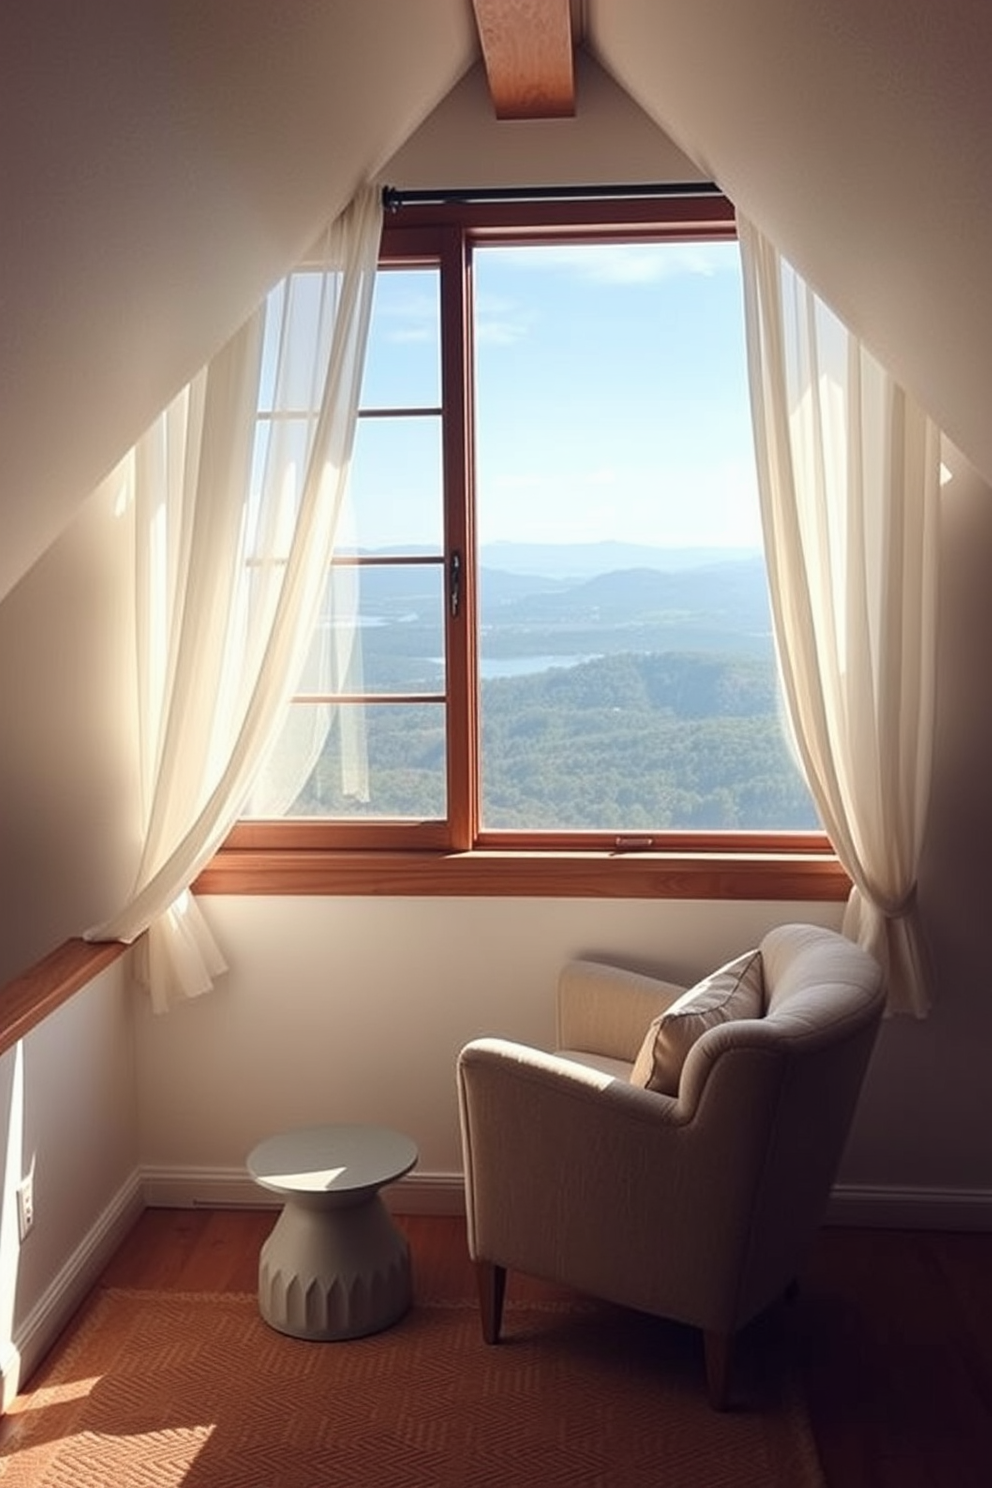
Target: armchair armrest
[(605, 1010), (577, 1175), (538, 1130)]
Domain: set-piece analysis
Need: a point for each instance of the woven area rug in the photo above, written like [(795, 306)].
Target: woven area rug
[(158, 1390)]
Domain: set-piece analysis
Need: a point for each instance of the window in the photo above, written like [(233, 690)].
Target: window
[(547, 618)]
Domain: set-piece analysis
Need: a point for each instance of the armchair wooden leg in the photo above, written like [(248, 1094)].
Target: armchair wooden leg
[(491, 1280), (719, 1349)]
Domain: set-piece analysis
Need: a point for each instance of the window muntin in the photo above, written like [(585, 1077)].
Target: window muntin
[(445, 783)]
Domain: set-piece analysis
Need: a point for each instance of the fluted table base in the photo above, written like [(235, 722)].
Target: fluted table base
[(334, 1273), (335, 1265)]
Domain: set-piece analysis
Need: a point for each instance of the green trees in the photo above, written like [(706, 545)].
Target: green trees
[(674, 741)]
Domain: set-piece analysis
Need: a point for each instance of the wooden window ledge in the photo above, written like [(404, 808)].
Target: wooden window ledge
[(584, 875)]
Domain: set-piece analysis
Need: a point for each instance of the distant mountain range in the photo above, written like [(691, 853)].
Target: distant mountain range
[(601, 594), (735, 590), (585, 560), (517, 570)]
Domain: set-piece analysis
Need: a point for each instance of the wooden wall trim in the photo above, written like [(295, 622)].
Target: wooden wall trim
[(29, 998)]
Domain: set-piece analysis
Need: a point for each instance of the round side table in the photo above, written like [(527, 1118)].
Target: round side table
[(335, 1265)]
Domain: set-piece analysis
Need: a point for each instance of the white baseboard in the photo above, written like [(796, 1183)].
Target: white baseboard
[(853, 1205), (231, 1188), (34, 1335), (867, 1207)]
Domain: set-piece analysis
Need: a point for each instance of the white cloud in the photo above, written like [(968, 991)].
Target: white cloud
[(499, 322), (409, 318)]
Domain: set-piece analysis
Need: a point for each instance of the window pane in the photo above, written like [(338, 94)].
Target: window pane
[(403, 363), (395, 615), (627, 664), (406, 763), (644, 743), (395, 492)]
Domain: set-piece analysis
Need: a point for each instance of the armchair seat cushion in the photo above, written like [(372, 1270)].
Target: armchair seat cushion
[(734, 991)]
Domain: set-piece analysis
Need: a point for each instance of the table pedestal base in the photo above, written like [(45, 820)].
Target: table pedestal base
[(333, 1272)]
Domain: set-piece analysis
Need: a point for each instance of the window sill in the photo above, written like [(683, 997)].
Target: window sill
[(814, 876)]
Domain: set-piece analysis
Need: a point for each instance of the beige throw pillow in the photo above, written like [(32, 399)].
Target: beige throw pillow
[(735, 991)]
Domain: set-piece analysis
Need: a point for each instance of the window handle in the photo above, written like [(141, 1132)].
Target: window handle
[(455, 582)]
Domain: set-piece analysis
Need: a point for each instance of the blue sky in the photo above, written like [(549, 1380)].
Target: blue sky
[(611, 386)]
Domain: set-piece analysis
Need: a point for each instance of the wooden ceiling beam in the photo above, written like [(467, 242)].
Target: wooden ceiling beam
[(527, 50)]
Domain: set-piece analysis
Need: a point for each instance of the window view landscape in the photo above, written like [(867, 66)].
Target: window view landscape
[(623, 689), (651, 702), (627, 678)]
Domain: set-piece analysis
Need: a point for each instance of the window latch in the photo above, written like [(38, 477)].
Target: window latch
[(455, 583)]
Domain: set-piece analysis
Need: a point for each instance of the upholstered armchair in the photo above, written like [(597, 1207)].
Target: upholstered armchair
[(676, 1154)]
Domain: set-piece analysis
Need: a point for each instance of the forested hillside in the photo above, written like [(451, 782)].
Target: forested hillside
[(638, 699), (641, 742)]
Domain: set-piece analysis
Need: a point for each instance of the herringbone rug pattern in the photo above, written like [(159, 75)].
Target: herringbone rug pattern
[(158, 1390)]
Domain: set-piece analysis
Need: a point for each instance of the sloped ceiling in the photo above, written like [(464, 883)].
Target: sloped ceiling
[(858, 135), (162, 162)]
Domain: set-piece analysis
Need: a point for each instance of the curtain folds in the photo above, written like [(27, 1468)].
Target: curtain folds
[(848, 474), (236, 519)]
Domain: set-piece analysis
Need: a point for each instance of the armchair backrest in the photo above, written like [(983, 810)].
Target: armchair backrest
[(793, 1077)]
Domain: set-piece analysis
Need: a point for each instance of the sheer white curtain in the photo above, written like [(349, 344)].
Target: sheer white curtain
[(236, 521), (848, 473)]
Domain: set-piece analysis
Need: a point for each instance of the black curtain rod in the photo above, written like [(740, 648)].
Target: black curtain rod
[(394, 197)]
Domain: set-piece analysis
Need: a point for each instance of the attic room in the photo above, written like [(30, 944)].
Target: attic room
[(163, 167)]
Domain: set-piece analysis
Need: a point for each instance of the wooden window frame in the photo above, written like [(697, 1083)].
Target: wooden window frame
[(457, 857)]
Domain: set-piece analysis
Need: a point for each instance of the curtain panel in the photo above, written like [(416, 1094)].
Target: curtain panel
[(234, 531), (848, 475)]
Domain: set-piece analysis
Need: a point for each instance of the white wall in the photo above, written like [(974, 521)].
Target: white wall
[(609, 138), (355, 1009), (68, 1116)]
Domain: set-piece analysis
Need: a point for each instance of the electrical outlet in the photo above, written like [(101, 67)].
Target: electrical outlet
[(25, 1205)]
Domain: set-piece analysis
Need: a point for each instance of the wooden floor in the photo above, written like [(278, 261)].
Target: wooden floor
[(892, 1331)]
